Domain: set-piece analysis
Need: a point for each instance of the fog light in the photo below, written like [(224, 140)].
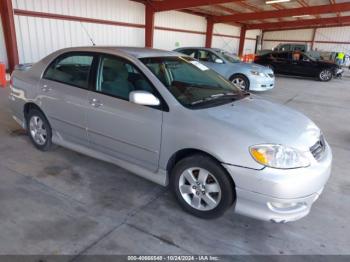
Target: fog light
[(286, 206)]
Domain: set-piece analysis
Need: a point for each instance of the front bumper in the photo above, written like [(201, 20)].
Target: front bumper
[(338, 72), (259, 83), (280, 195)]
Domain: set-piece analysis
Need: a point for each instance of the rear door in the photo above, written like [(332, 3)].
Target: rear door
[(63, 95), (117, 127)]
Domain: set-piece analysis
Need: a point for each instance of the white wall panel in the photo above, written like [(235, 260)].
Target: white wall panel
[(332, 47), (249, 46), (3, 54), (333, 34), (115, 10), (226, 29), (38, 37), (327, 36), (341, 34), (229, 44), (290, 35), (180, 20), (253, 33), (170, 40), (269, 45)]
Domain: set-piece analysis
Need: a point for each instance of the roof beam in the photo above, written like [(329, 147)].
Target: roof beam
[(302, 23), (311, 10), (168, 5)]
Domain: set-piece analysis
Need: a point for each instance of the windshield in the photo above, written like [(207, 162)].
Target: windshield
[(230, 57), (192, 83)]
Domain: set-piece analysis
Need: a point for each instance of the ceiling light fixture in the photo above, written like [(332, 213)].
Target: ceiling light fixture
[(269, 2)]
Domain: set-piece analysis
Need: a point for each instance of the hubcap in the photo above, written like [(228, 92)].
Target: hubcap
[(200, 189), (325, 75), (239, 82), (37, 130)]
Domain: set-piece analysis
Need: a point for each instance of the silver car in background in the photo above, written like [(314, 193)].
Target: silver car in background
[(247, 76), (172, 120)]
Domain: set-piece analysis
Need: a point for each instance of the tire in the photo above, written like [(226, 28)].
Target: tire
[(241, 81), (39, 130), (325, 75), (193, 192)]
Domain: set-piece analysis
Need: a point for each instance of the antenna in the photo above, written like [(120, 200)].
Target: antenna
[(89, 36)]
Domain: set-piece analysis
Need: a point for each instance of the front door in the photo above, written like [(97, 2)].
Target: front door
[(63, 96), (303, 65), (117, 127)]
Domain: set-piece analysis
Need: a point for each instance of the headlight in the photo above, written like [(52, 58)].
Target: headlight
[(278, 156), (256, 73)]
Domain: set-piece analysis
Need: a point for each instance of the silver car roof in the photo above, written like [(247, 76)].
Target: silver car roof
[(138, 52)]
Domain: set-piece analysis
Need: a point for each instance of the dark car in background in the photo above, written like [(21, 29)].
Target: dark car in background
[(300, 64)]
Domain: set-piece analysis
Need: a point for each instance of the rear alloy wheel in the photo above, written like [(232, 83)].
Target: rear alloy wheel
[(325, 75), (39, 130), (241, 82), (202, 186)]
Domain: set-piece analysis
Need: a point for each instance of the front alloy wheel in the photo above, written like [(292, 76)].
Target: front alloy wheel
[(199, 188), (325, 75), (202, 186), (241, 82)]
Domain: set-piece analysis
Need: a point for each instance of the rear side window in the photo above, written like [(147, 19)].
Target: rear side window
[(189, 52), (71, 70), (206, 56)]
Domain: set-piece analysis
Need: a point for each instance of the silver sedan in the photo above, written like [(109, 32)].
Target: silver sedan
[(172, 120), (247, 76)]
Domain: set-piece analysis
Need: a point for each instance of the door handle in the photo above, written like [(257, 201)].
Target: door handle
[(45, 88), (95, 103)]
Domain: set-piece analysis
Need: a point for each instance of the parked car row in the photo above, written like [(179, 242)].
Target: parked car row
[(171, 119)]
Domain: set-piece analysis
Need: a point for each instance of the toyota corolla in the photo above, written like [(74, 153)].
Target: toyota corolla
[(172, 120)]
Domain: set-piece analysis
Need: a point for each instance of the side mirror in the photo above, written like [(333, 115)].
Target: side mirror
[(219, 61), (143, 98)]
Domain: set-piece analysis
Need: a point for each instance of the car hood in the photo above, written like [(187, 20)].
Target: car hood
[(259, 121)]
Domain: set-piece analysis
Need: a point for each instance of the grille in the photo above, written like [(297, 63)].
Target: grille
[(318, 148), (271, 75)]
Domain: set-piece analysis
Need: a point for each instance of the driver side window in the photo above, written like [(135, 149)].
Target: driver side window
[(118, 77)]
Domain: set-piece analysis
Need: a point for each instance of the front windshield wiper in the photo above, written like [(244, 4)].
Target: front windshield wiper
[(229, 95)]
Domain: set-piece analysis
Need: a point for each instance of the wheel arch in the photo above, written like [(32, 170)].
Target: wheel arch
[(29, 106), (187, 152)]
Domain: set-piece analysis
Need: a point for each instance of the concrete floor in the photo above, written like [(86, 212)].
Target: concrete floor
[(62, 202)]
